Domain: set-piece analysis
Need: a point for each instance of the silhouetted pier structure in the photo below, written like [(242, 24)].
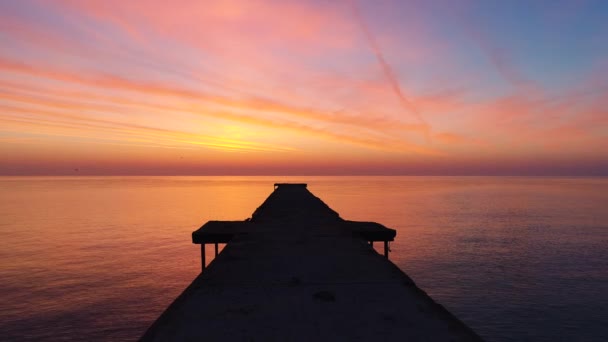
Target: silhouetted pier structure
[(296, 271)]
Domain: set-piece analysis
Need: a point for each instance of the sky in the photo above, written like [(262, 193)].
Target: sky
[(285, 87)]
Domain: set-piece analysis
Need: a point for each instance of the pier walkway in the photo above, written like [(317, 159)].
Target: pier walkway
[(296, 271)]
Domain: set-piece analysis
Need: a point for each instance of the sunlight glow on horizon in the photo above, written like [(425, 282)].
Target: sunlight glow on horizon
[(303, 87)]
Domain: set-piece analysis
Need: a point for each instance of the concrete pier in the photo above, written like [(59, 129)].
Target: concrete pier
[(296, 271)]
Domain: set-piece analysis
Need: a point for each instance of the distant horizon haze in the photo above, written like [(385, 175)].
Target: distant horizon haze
[(446, 168)]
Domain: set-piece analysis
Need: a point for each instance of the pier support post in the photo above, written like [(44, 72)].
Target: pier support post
[(371, 243), (216, 250), (202, 257), (386, 249)]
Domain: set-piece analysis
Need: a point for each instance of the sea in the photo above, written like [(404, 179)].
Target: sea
[(100, 258)]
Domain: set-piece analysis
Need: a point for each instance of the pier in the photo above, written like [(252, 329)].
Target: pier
[(297, 271)]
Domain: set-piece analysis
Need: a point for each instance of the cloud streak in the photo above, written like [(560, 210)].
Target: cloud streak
[(388, 71), (224, 107)]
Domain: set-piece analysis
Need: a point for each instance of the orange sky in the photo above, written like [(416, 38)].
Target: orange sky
[(303, 87)]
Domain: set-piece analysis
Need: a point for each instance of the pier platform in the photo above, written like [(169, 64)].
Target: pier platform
[(296, 271)]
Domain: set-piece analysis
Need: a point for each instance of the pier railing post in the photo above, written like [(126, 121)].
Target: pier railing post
[(216, 250), (202, 257), (386, 248)]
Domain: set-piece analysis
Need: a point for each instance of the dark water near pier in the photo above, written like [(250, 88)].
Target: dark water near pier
[(99, 258)]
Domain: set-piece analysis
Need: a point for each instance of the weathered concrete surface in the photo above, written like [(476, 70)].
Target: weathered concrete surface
[(297, 274)]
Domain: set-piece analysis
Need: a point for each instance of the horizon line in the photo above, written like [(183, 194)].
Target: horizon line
[(310, 175)]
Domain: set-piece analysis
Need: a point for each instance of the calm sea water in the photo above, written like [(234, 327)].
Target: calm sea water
[(99, 258)]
